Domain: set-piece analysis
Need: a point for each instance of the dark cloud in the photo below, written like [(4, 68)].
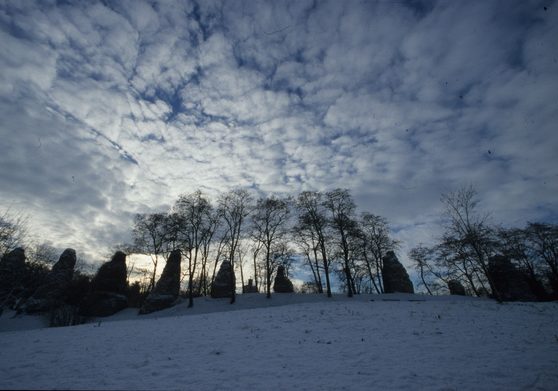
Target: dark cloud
[(112, 108)]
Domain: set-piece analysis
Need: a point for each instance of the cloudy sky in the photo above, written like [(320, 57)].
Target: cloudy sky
[(113, 108)]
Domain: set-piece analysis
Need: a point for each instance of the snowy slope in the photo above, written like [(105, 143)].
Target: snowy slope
[(443, 343)]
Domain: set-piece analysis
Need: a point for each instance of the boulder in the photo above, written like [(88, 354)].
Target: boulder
[(166, 290), (510, 283), (282, 284), (108, 289), (456, 288), (395, 276), (52, 293), (223, 285)]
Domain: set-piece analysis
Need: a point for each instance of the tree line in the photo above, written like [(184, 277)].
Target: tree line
[(323, 230), (469, 246)]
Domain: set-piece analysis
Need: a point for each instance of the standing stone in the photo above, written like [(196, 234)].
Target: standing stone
[(282, 284), (12, 269), (166, 291), (456, 288), (395, 276), (250, 288), (223, 285), (12, 274), (52, 293), (510, 283), (108, 288), (111, 276)]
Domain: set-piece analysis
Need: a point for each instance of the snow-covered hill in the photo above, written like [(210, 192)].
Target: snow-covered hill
[(303, 342)]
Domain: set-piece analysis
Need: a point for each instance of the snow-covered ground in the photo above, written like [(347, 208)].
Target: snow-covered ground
[(303, 342)]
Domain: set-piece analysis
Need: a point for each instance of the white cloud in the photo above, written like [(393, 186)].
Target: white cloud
[(141, 101)]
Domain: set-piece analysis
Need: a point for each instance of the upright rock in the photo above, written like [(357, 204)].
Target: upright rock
[(250, 288), (510, 283), (52, 293), (456, 288), (395, 276), (282, 284), (12, 274), (111, 276), (12, 269), (223, 285), (166, 291), (108, 288)]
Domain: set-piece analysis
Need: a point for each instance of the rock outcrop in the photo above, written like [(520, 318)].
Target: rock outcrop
[(395, 276), (223, 285), (282, 284), (108, 289), (53, 292), (166, 291), (509, 282), (456, 288)]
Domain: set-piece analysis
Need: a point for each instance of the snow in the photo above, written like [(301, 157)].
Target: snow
[(305, 342)]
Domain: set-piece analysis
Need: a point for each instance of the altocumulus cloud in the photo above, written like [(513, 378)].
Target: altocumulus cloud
[(113, 108)]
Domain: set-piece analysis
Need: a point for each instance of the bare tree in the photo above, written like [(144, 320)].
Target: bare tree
[(517, 245), (312, 219), (13, 231), (151, 235), (241, 253), (269, 222), (211, 235), (307, 241), (341, 209), (535, 250), (376, 242), (195, 225), (468, 241), (220, 247), (42, 253), (235, 206), (419, 255), (283, 255), (256, 252), (543, 243)]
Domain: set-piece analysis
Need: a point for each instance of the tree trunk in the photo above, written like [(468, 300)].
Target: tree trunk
[(317, 282), (214, 270), (192, 270), (424, 281), (349, 282), (326, 269), (242, 277), (371, 275), (319, 277), (268, 273), (154, 275), (256, 270), (233, 283), (379, 275)]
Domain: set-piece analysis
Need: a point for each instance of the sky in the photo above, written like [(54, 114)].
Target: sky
[(114, 108)]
